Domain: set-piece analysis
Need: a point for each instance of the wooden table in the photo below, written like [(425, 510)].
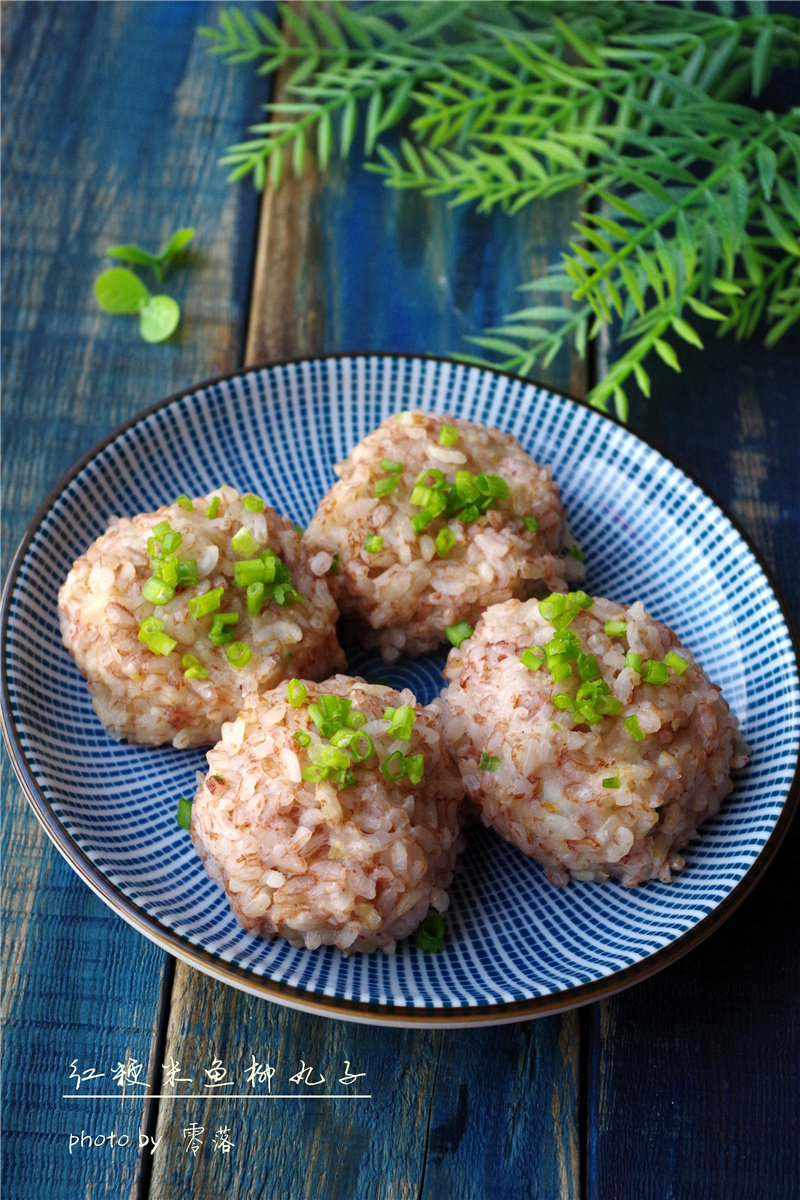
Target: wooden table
[(685, 1086)]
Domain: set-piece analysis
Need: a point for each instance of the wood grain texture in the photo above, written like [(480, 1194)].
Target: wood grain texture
[(112, 127), (694, 1088)]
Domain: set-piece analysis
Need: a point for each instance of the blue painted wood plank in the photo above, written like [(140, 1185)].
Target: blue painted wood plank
[(112, 126)]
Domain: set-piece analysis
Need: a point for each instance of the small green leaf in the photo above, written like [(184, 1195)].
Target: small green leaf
[(179, 239), (118, 290), (666, 354), (133, 254), (684, 330), (159, 318)]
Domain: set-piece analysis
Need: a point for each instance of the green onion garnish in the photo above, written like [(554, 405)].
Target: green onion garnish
[(633, 727), (415, 768), (611, 781), (157, 592), (373, 543), (445, 540), (222, 631), (394, 767), (162, 528), (284, 595), (185, 503), (253, 504), (459, 632), (563, 700), (151, 632), (488, 762), (256, 594), (655, 672), (385, 487), (171, 541), (249, 570), (553, 606), (187, 573), (532, 658), (531, 524), (296, 692), (302, 738), (328, 756), (184, 813), (334, 567), (577, 553), (587, 667), (244, 542), (192, 667), (448, 435), (207, 602), (634, 661), (614, 628), (675, 661), (401, 722), (213, 507), (429, 937), (390, 464), (238, 654), (360, 744)]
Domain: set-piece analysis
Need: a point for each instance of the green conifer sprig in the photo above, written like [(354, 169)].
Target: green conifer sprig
[(690, 194)]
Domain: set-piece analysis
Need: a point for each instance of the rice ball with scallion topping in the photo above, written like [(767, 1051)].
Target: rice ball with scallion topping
[(174, 617), (331, 814), (433, 519), (588, 736)]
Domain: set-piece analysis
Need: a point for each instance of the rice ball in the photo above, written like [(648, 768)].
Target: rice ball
[(161, 618), (433, 519), (588, 736), (331, 814)]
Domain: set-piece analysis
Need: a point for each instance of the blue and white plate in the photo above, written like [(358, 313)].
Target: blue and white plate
[(516, 947)]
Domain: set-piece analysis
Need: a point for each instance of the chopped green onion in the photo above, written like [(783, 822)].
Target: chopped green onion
[(577, 553), (445, 540), (582, 599), (314, 773), (284, 594), (675, 661), (249, 570), (390, 464), (373, 543), (531, 524), (192, 667), (302, 738), (415, 768), (448, 435), (488, 762), (532, 658), (611, 781), (162, 528), (385, 487), (401, 722), (244, 542), (614, 628), (432, 478), (184, 813), (253, 504), (466, 486), (394, 767), (563, 701), (633, 661), (151, 632), (655, 672), (587, 667), (185, 503), (205, 603), (633, 727), (256, 594), (355, 719), (213, 507), (459, 632), (334, 567), (560, 667), (360, 744), (238, 654), (328, 756), (171, 541), (296, 692), (222, 632), (429, 937), (187, 573), (469, 514), (157, 592), (553, 606), (421, 521)]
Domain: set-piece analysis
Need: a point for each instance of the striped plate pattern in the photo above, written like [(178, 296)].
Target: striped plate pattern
[(516, 946)]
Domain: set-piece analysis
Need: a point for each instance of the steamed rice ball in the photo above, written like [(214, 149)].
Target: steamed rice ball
[(331, 814), (433, 519), (588, 736), (174, 617)]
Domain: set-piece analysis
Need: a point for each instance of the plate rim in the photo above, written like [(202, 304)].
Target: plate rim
[(298, 998)]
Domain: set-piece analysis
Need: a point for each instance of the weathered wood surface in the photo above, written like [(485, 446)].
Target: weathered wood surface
[(684, 1087)]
